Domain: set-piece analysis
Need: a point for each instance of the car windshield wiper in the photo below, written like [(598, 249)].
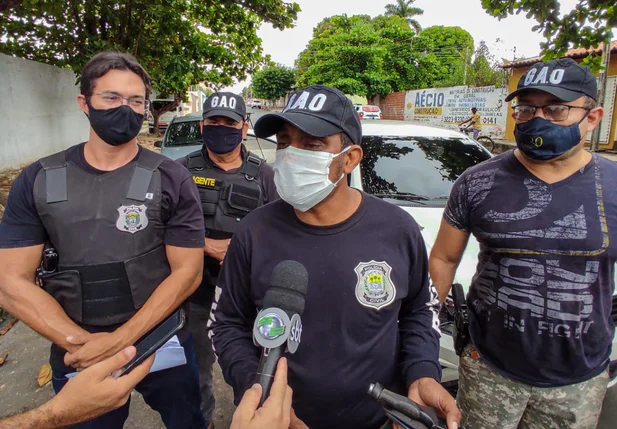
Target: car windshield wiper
[(403, 196)]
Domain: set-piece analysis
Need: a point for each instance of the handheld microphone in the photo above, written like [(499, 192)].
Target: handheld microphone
[(278, 326)]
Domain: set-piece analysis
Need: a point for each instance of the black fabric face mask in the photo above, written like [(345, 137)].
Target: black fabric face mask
[(221, 139), (115, 126)]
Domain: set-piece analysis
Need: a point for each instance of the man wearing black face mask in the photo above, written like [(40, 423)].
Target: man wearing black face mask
[(545, 215), (232, 182), (123, 232)]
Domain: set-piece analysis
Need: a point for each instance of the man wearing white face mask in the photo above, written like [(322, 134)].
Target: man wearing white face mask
[(369, 314)]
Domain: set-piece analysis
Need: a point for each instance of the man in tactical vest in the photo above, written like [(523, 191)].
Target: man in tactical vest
[(121, 232), (232, 182)]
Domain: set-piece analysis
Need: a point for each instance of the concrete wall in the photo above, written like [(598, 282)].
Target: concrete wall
[(38, 111)]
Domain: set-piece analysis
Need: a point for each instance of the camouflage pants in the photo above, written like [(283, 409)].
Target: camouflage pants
[(489, 401)]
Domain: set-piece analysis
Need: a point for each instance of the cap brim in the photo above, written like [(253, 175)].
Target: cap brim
[(223, 112), (561, 93), (272, 123)]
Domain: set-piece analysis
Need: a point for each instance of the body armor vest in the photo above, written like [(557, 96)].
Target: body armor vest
[(109, 236), (226, 197)]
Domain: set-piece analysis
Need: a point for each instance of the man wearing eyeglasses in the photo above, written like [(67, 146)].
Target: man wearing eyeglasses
[(546, 220), (121, 233)]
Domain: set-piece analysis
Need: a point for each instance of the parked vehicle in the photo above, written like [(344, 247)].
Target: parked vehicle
[(183, 136), (166, 117), (414, 167), (255, 104), (368, 112)]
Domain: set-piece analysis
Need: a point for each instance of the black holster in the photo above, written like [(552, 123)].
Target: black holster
[(460, 332)]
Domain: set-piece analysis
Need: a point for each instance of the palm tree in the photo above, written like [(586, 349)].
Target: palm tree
[(404, 9)]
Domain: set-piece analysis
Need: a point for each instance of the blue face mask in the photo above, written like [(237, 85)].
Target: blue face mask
[(543, 140)]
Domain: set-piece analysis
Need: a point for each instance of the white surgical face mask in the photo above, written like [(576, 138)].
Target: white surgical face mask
[(301, 176)]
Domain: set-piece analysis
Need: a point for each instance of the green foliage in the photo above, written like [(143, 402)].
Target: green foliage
[(485, 70), (405, 9), (247, 92), (451, 47), (273, 82), (179, 42), (587, 25), (365, 56)]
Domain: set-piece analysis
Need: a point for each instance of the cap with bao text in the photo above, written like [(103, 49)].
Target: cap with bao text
[(317, 110), (563, 78), (225, 104)]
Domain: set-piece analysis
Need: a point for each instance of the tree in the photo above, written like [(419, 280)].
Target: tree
[(179, 42), (364, 56), (404, 9), (453, 47), (247, 92), (273, 82), (485, 70), (588, 24)]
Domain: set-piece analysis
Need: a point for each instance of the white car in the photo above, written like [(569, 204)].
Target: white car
[(368, 112), (255, 104), (414, 167)]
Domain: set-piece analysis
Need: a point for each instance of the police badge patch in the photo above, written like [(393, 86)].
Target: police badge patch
[(132, 218), (374, 288)]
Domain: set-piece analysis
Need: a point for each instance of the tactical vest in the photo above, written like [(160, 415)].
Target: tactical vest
[(226, 198), (108, 233)]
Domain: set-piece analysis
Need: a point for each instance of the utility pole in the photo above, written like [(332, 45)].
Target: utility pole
[(466, 58), (606, 60)]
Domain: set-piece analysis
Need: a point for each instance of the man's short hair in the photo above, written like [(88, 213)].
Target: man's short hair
[(100, 64), (590, 103), (345, 141)]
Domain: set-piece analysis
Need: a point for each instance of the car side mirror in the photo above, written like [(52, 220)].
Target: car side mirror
[(158, 143)]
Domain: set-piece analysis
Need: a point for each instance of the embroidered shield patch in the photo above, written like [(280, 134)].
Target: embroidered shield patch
[(375, 288), (132, 218)]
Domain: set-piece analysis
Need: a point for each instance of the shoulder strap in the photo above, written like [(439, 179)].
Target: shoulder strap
[(196, 161), (147, 163), (252, 166), (55, 177)]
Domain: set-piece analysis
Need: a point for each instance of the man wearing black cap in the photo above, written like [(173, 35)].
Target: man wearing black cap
[(540, 302), (232, 181), (369, 314)]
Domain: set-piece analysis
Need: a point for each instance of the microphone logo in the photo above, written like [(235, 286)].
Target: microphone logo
[(271, 326)]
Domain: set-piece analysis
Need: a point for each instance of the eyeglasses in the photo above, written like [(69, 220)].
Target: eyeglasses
[(111, 100), (552, 112)]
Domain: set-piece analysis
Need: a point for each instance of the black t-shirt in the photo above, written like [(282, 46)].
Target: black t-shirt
[(540, 301), (369, 314), (180, 208), (180, 212)]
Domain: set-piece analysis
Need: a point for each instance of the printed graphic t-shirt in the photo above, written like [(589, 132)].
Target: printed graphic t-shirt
[(540, 301)]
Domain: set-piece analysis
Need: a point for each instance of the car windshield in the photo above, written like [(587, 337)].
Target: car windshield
[(183, 134), (421, 170), (370, 108)]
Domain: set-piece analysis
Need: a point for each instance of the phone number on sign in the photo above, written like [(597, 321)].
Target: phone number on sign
[(453, 119)]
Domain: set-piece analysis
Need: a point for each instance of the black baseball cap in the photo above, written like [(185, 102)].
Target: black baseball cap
[(317, 110), (225, 104), (563, 78)]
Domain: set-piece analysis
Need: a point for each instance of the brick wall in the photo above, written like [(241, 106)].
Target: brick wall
[(393, 106)]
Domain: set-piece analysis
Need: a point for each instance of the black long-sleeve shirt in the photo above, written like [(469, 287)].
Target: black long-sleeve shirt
[(369, 314)]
